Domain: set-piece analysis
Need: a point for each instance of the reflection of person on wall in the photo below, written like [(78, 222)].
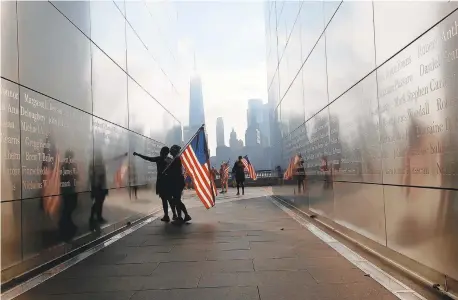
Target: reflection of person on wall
[(239, 171), (133, 181), (99, 189), (279, 174), (175, 182), (161, 183), (300, 175), (69, 196), (324, 168)]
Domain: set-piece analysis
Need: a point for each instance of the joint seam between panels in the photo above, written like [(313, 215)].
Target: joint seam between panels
[(377, 67), (146, 47), (378, 114), (286, 45), (89, 38), (75, 193), (310, 53)]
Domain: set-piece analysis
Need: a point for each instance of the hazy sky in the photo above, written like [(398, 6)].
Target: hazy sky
[(229, 42)]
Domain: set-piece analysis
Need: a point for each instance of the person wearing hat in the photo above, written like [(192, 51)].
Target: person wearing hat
[(161, 183), (176, 184)]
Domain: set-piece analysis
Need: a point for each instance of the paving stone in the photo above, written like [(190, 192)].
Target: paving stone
[(236, 250)]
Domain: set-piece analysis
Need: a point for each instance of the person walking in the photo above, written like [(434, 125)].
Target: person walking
[(239, 171), (162, 182), (176, 184)]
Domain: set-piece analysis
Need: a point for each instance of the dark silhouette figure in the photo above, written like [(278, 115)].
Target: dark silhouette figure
[(176, 184), (239, 170), (162, 182), (133, 187), (69, 177), (300, 175), (99, 190)]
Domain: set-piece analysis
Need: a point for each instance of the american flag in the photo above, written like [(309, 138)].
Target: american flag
[(249, 167), (291, 168), (225, 171), (195, 159), (51, 188), (121, 173)]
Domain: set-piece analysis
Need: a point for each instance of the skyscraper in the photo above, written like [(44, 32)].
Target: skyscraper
[(196, 101), (219, 132)]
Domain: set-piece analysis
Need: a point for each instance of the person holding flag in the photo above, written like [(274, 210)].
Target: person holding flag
[(194, 157), (162, 189), (176, 184), (224, 176)]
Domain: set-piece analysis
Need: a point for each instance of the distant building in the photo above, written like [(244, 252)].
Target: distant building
[(219, 132)]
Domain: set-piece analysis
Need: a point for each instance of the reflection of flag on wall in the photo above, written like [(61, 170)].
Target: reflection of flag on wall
[(121, 173), (291, 167), (249, 167), (195, 159), (51, 187)]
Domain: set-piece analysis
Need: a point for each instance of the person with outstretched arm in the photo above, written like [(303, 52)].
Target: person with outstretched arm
[(161, 183), (239, 170), (176, 185)]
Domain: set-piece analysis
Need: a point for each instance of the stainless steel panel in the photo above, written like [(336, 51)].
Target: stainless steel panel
[(360, 208), (355, 143), (11, 233), (9, 49), (78, 12), (292, 107), (422, 224), (10, 161), (349, 46), (314, 81), (142, 108), (318, 180), (273, 95), (417, 100), (330, 8), (108, 30), (391, 16), (121, 6), (311, 25), (55, 153), (111, 147), (64, 68), (140, 64), (109, 89)]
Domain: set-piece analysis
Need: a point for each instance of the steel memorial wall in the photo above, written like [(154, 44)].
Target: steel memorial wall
[(80, 91), (374, 86)]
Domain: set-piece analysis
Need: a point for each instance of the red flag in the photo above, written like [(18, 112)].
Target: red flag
[(249, 167), (195, 159)]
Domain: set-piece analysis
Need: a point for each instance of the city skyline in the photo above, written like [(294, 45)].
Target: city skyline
[(230, 59)]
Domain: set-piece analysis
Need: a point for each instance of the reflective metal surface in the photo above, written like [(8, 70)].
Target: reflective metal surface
[(49, 143), (349, 46), (390, 16), (75, 114), (109, 89), (10, 141), (64, 68), (396, 126), (9, 40), (354, 145)]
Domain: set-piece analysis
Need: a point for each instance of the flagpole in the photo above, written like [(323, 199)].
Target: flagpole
[(184, 147)]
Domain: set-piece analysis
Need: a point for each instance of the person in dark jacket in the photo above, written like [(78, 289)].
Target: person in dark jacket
[(239, 170), (161, 183), (99, 189), (176, 185)]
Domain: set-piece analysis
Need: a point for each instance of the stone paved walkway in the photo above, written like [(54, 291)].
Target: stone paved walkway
[(246, 249)]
